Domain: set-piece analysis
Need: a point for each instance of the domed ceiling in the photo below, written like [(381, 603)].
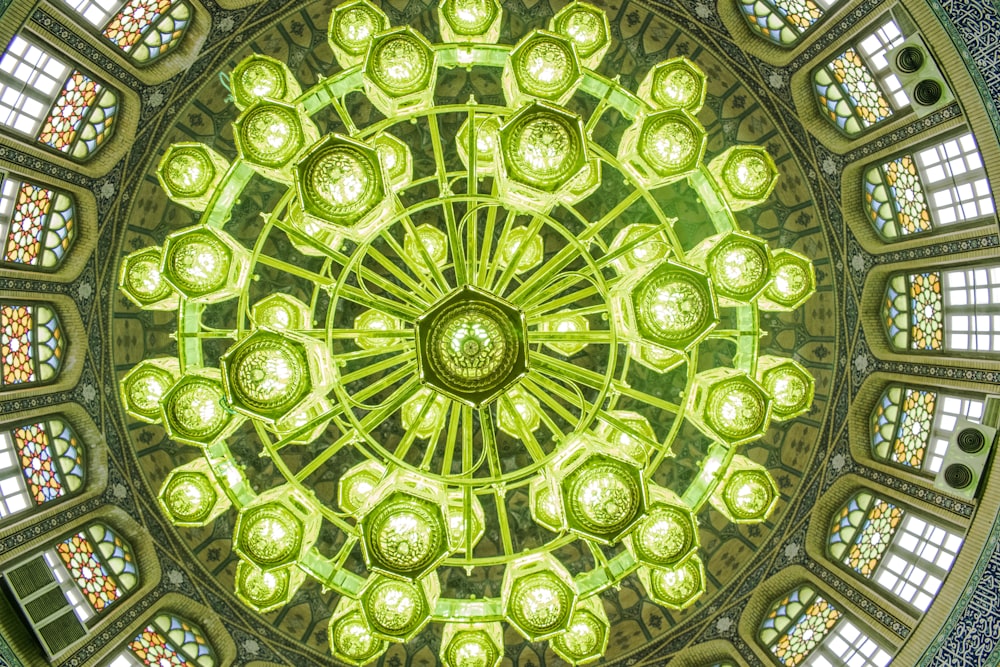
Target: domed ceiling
[(747, 102)]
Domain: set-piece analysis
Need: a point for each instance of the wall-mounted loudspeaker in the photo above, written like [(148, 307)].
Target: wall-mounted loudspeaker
[(922, 80), (965, 459)]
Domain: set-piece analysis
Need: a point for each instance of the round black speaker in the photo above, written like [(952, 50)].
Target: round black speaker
[(971, 440), (927, 92), (909, 59), (958, 475)]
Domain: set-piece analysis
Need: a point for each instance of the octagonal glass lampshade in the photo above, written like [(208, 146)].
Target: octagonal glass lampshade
[(352, 26), (266, 590), (586, 638), (269, 135), (139, 278), (400, 71), (258, 76), (188, 173), (274, 530), (747, 492), (730, 406), (676, 83), (191, 496), (470, 20), (194, 410), (351, 638), (143, 387), (472, 645), (538, 596), (675, 588), (793, 283), (543, 66), (746, 175), (395, 609), (587, 27)]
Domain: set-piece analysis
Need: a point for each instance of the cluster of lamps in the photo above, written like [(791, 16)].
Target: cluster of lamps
[(469, 331)]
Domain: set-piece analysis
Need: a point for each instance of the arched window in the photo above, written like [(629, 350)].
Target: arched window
[(857, 89), (45, 99), (954, 309), (910, 425), (904, 554), (40, 462), (804, 628), (931, 188), (36, 222), (64, 590), (31, 344), (167, 640), (144, 29), (784, 21)]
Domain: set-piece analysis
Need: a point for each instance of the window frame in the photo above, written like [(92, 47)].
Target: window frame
[(98, 29)]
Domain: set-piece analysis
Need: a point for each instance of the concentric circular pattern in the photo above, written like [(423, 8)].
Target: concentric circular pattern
[(340, 182), (603, 497), (268, 374), (543, 147), (198, 407), (472, 346), (405, 535), (450, 367), (395, 606), (199, 262), (267, 535), (540, 603), (736, 410), (188, 172), (400, 64), (748, 172)]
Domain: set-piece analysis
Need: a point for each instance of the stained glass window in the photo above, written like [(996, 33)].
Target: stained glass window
[(167, 641), (100, 565), (903, 553), (36, 222), (144, 29), (958, 309), (39, 462), (804, 628), (911, 425), (938, 186), (857, 89), (31, 344), (41, 97), (784, 21), (797, 624)]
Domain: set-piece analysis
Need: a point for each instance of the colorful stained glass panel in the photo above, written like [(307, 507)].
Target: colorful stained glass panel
[(69, 112), (88, 571), (781, 21), (914, 431), (24, 235), (874, 537), (151, 648), (38, 462), (849, 93), (16, 356), (897, 205), (927, 311), (806, 632), (131, 23)]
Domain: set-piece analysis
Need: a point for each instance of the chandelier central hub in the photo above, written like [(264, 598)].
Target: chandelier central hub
[(471, 346)]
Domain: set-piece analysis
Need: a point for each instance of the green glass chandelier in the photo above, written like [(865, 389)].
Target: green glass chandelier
[(485, 305)]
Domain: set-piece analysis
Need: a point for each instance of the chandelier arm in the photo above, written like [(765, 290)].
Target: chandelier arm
[(487, 245), (451, 437), (524, 433), (384, 365), (420, 292), (410, 299), (570, 394), (508, 224), (559, 261), (451, 225), (369, 421), (364, 298), (443, 285), (550, 304), (427, 286), (500, 286), (357, 401)]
